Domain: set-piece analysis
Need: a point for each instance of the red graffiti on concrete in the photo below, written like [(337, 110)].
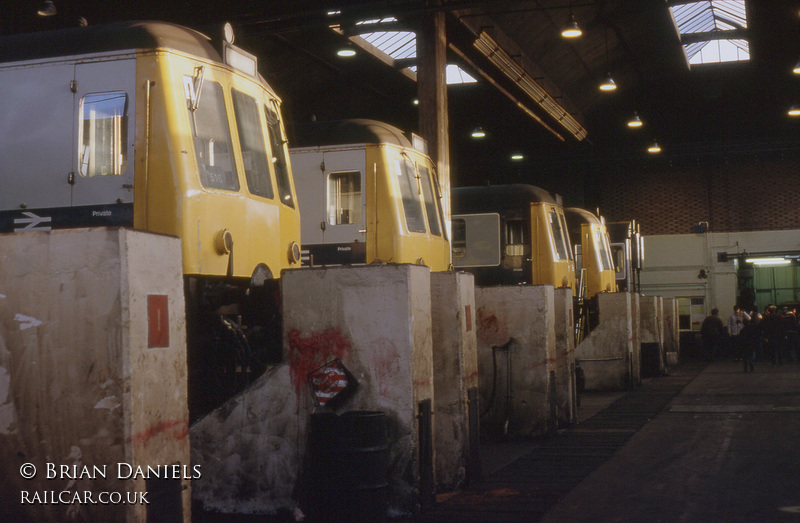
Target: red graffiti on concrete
[(310, 353), (491, 329), (178, 429)]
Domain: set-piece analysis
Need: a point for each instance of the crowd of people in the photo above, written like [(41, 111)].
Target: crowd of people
[(751, 336)]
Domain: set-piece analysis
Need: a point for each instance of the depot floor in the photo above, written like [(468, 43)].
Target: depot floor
[(724, 447), (705, 443)]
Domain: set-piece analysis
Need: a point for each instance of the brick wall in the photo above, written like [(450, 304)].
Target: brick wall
[(732, 192)]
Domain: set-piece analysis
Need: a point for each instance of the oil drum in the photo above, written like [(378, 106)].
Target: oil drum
[(348, 461)]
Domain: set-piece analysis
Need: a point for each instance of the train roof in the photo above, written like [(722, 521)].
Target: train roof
[(497, 197), (341, 132), (104, 38), (581, 216)]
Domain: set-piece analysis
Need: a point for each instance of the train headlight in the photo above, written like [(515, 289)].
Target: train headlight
[(223, 241), (294, 252)]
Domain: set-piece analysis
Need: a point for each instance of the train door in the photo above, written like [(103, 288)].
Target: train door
[(103, 170), (36, 149), (331, 187)]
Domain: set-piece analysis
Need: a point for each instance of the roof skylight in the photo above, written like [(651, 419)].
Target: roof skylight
[(402, 45), (702, 27)]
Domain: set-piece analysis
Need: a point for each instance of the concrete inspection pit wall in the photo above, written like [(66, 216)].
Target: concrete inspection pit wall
[(93, 377), (516, 359), (607, 354)]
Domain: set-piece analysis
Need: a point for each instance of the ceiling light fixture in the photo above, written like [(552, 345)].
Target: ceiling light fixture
[(608, 84), (517, 157), (794, 110), (346, 52), (654, 148), (571, 30), (796, 69), (47, 9), (635, 122), (768, 261), (478, 132)]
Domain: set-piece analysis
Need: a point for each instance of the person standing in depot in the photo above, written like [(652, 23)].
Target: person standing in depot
[(712, 331), (736, 323), (772, 330), (750, 339)]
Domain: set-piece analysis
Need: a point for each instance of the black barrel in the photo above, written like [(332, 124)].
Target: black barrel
[(348, 467)]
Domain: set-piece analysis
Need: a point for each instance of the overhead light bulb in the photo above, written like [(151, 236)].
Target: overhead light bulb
[(654, 148), (794, 110), (608, 84), (517, 157), (635, 121), (478, 132), (796, 69), (346, 52), (571, 30), (47, 9)]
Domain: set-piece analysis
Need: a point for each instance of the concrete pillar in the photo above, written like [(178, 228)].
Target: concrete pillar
[(516, 359), (651, 336), (455, 378), (636, 320), (565, 386), (606, 355), (377, 321), (93, 379)]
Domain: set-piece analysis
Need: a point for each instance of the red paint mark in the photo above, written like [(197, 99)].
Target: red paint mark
[(468, 316), (543, 363), (491, 330), (471, 375), (157, 320), (179, 429), (307, 354)]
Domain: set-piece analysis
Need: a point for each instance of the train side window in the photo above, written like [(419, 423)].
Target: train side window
[(476, 240), (562, 252), (430, 201), (103, 133), (618, 255), (251, 138), (515, 238), (279, 156), (344, 198), (212, 140), (409, 190)]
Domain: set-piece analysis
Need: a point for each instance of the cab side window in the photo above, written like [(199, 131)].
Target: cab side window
[(254, 151), (410, 192), (279, 158), (431, 201), (103, 134)]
